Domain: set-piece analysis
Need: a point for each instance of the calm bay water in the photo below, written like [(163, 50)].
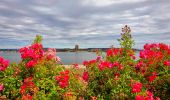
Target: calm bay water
[(66, 57)]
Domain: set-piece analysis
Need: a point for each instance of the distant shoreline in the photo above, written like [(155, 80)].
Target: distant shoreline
[(69, 50)]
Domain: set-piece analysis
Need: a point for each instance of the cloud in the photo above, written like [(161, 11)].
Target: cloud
[(89, 23)]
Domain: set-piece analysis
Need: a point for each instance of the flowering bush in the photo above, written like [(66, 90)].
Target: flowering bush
[(118, 75)]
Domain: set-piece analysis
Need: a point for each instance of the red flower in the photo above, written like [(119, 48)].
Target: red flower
[(98, 58), (85, 76), (23, 88), (147, 46), (167, 63), (149, 96), (157, 98), (85, 63), (139, 97), (26, 97), (3, 64), (28, 86), (2, 68), (136, 87), (76, 66), (151, 78), (31, 63), (63, 79), (114, 52), (34, 51), (116, 64), (92, 62), (109, 52), (104, 64), (139, 65), (63, 84), (133, 57)]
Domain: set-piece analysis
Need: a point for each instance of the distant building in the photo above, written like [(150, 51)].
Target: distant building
[(76, 47), (112, 46)]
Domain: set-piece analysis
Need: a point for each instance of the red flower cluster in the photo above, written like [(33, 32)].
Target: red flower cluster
[(85, 76), (34, 52), (159, 46), (117, 64), (3, 64), (152, 56), (147, 54), (155, 50), (87, 63), (63, 79), (104, 64), (31, 63), (136, 87), (139, 65), (114, 52), (28, 85), (148, 97)]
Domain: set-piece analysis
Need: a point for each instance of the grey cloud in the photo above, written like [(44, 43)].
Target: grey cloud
[(64, 23)]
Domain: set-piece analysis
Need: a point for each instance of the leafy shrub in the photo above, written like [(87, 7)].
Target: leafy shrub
[(118, 75)]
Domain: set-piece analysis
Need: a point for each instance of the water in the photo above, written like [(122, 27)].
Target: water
[(66, 57)]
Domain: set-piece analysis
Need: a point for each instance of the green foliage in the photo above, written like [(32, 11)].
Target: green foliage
[(40, 76), (126, 40), (38, 39)]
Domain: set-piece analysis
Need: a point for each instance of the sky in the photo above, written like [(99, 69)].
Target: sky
[(88, 23)]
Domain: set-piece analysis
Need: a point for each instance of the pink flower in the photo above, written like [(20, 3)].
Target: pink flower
[(136, 87), (1, 87), (85, 76), (58, 59)]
